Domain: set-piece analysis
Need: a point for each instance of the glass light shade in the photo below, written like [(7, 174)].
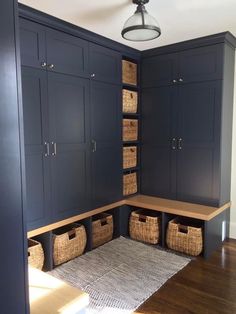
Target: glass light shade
[(141, 26)]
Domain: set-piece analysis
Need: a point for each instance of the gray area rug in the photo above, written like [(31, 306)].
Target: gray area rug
[(120, 275)]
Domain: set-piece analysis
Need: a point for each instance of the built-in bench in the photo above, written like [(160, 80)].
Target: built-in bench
[(213, 221)]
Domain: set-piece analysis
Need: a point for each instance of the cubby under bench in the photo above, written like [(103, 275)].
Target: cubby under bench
[(213, 220)]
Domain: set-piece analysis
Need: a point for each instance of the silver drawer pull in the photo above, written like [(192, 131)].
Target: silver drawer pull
[(47, 149), (54, 149)]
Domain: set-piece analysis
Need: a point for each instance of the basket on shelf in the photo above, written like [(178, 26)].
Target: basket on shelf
[(129, 157), (130, 101), (130, 185), (129, 72), (185, 236), (102, 229), (35, 254), (144, 225), (68, 243), (130, 130)]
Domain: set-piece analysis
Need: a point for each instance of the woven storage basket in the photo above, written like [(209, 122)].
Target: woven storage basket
[(130, 130), (35, 254), (68, 243), (130, 101), (183, 237), (102, 229), (129, 157), (130, 183), (144, 226), (129, 72)]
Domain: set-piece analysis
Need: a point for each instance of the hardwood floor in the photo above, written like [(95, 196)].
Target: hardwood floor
[(202, 287)]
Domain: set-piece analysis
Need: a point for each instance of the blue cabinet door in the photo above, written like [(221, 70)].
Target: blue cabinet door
[(199, 148), (159, 146), (32, 44), (159, 70), (106, 154), (69, 144), (66, 53), (37, 159), (104, 64)]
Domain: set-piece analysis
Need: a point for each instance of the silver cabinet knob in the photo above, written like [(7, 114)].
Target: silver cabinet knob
[(51, 66), (93, 75), (181, 80), (174, 81), (43, 64), (47, 152)]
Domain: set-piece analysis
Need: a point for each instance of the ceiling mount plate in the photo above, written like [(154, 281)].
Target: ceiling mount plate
[(142, 2)]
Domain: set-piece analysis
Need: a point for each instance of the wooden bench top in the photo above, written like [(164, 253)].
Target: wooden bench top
[(49, 295), (144, 201), (176, 207)]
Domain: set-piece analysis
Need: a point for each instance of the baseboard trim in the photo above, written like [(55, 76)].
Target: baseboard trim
[(233, 230)]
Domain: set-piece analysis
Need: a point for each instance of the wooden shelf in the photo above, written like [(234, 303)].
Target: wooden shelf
[(130, 87), (129, 114), (131, 142), (131, 169), (175, 207)]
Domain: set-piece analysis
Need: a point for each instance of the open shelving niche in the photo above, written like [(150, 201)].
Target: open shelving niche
[(135, 116)]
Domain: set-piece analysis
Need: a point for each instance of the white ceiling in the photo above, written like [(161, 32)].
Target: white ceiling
[(179, 19)]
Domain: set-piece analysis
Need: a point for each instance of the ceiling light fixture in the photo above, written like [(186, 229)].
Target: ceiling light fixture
[(141, 26)]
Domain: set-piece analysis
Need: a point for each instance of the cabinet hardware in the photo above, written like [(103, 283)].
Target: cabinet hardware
[(173, 143), (181, 80), (93, 75), (94, 146), (54, 149), (47, 149), (180, 140), (174, 81), (51, 66), (43, 64)]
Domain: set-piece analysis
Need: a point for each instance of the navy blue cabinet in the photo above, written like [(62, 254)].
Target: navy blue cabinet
[(191, 65), (185, 151), (52, 50), (104, 64), (158, 132), (198, 151), (72, 124), (32, 44), (106, 143), (34, 91), (68, 103)]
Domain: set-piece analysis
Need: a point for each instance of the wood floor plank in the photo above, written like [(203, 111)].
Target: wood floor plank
[(202, 287)]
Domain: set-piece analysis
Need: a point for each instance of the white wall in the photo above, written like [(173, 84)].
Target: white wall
[(233, 172)]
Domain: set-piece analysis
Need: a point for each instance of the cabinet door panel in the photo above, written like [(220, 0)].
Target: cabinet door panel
[(34, 89), (106, 132), (201, 64), (158, 128), (159, 70), (32, 43), (67, 53), (68, 116), (197, 164), (105, 64)]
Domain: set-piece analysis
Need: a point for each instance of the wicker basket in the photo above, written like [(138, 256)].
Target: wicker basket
[(144, 225), (130, 101), (68, 243), (130, 183), (184, 237), (35, 254), (102, 229), (129, 157), (130, 130), (129, 72)]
